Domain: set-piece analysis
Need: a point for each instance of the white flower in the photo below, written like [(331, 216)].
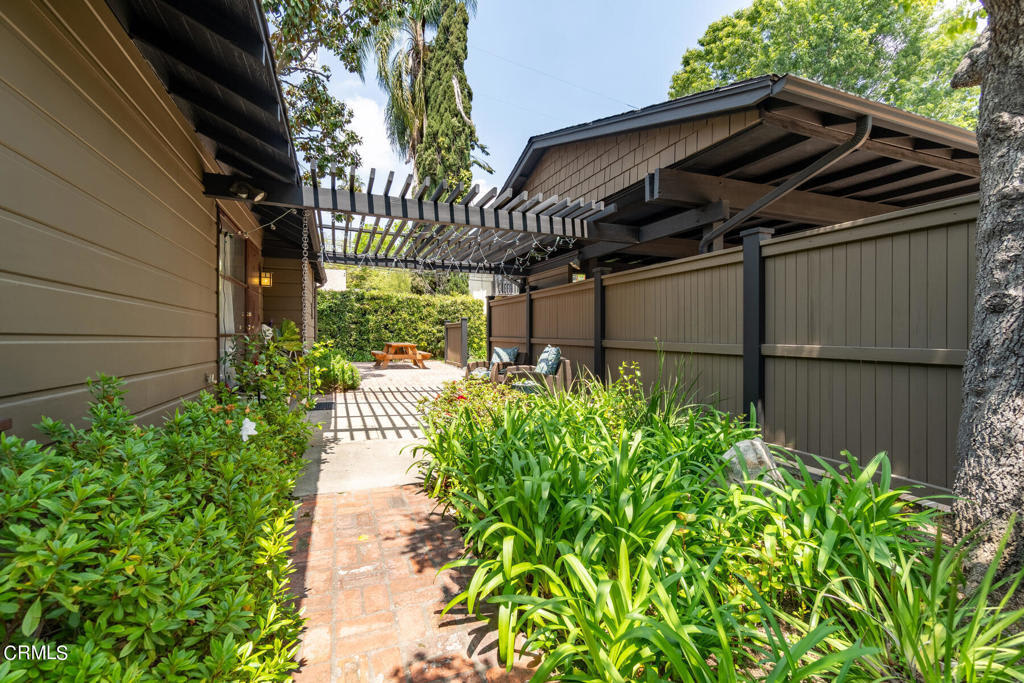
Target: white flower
[(248, 429)]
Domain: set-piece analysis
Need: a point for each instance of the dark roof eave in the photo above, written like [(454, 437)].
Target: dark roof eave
[(742, 95), (823, 98), (282, 102)]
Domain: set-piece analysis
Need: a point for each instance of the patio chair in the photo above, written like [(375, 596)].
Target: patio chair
[(544, 371), (496, 368)]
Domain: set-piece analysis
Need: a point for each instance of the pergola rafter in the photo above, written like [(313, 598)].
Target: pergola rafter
[(409, 226)]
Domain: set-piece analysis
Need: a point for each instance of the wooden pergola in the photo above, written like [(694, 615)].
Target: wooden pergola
[(408, 226), (812, 156)]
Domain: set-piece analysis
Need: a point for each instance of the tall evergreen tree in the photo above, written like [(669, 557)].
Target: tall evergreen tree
[(449, 137)]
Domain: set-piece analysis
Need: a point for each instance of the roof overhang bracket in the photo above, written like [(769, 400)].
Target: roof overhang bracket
[(860, 136)]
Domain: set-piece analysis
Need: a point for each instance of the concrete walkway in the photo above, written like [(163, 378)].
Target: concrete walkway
[(368, 434), (369, 544)]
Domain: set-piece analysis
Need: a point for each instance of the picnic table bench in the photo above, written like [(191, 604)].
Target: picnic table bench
[(399, 351)]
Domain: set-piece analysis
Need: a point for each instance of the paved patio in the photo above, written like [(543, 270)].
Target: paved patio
[(369, 544)]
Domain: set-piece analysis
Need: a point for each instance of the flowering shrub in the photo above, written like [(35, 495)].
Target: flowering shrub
[(270, 365), (155, 553), (478, 397)]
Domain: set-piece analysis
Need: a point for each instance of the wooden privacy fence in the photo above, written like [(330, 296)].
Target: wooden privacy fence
[(849, 337), (456, 342)]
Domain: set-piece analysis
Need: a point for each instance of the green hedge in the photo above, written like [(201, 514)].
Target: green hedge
[(361, 321)]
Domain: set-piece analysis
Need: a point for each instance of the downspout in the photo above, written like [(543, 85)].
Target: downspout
[(860, 136)]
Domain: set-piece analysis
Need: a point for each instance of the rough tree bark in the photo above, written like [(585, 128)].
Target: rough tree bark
[(990, 446)]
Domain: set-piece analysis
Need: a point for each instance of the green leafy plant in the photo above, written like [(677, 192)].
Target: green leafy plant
[(154, 553), (602, 532), (332, 370), (479, 398)]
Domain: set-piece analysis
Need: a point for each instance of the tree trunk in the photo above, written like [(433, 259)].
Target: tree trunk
[(990, 444)]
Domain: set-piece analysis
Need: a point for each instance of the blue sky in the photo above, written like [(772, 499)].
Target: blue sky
[(535, 66)]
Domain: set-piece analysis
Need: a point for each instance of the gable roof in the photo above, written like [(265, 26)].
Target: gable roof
[(763, 92)]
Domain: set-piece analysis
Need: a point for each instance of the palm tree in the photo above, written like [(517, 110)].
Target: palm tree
[(400, 48)]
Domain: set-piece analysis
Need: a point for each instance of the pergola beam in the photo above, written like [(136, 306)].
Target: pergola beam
[(401, 208), (414, 264), (682, 188), (666, 227)]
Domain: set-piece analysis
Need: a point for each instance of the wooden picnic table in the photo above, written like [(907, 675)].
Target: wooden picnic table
[(400, 351)]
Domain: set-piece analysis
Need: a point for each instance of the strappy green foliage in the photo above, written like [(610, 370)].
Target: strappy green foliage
[(602, 532)]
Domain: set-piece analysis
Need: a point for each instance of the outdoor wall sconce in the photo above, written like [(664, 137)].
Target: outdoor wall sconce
[(244, 190), (266, 279)]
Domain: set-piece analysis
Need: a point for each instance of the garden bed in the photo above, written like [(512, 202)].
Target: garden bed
[(134, 552), (602, 527)]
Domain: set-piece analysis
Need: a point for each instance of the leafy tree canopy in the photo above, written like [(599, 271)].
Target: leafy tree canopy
[(321, 123), (901, 53)]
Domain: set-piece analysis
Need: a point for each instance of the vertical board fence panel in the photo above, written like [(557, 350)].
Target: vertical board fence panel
[(456, 342), (878, 366), (865, 333), (508, 321), (563, 316), (691, 311)]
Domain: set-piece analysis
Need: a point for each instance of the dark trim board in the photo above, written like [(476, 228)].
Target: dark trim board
[(673, 187)]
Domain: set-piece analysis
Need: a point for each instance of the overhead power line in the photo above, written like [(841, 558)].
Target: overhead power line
[(552, 76)]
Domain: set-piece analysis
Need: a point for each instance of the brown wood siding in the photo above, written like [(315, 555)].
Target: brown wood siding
[(109, 258), (867, 326), (284, 298), (600, 167)]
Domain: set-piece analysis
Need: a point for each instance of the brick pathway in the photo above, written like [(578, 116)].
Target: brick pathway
[(367, 566)]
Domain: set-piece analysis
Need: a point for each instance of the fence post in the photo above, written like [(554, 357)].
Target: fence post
[(599, 368), (465, 342), (753, 319), (487, 330), (529, 326)]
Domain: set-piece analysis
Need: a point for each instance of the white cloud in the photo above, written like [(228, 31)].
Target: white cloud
[(367, 104), (375, 150)]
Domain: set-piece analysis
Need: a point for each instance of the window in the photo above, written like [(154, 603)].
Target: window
[(237, 306)]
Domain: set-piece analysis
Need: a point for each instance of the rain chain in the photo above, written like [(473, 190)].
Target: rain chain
[(305, 279)]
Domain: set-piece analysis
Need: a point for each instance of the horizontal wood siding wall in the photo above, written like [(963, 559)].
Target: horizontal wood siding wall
[(866, 333), (284, 298), (692, 310), (564, 317), (601, 167), (867, 326), (108, 248)]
